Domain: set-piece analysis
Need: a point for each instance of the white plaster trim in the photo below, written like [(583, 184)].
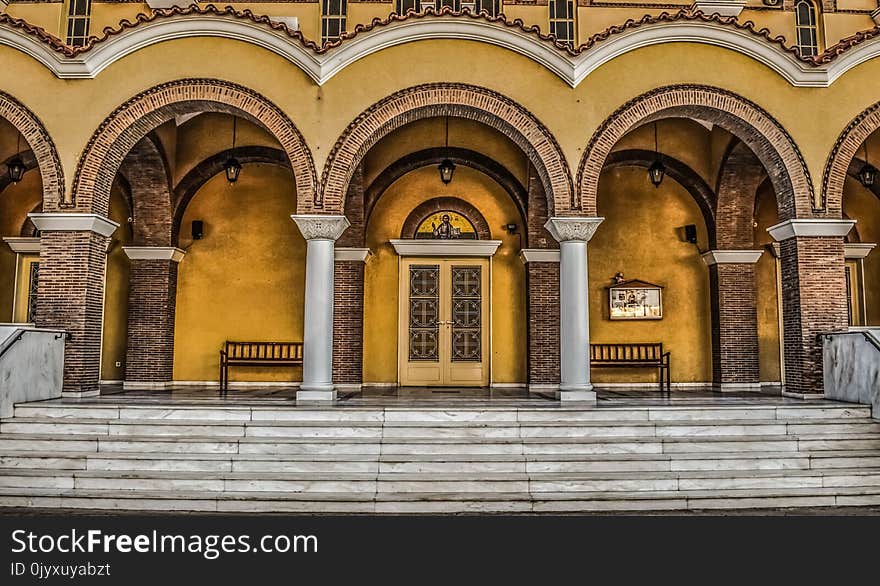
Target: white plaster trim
[(351, 254), (722, 7), (853, 251), (724, 257), (810, 227), (154, 253), (213, 384), (654, 385), (737, 387), (507, 385), (23, 245), (66, 222), (321, 68), (527, 255), (483, 248)]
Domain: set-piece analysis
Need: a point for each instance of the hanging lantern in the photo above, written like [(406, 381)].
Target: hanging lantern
[(447, 169), (656, 172), (868, 173), (15, 169), (232, 168)]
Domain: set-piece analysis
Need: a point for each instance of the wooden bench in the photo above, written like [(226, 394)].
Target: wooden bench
[(258, 354), (633, 356)]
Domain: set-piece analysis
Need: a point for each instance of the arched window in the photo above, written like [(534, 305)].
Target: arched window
[(562, 21), (333, 19), (805, 27), (475, 6), (78, 15)]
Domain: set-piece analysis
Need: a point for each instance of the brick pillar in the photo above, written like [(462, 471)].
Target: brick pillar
[(348, 318), (542, 307), (813, 296), (152, 300), (734, 319), (70, 291)]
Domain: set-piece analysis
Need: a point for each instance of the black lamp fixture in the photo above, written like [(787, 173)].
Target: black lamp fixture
[(657, 170), (447, 167), (232, 166), (868, 173), (15, 167)]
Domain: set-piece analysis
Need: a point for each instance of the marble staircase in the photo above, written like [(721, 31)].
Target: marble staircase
[(407, 459)]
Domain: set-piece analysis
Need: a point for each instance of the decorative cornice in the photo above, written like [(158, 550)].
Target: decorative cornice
[(722, 7), (351, 254), (171, 253), (810, 227), (320, 226), (859, 250), (480, 248), (527, 255), (23, 245), (725, 257), (565, 229), (70, 222), (322, 62)]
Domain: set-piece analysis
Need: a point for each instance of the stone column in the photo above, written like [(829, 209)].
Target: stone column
[(542, 307), (152, 300), (320, 232), (574, 306), (813, 296), (70, 291), (348, 318), (734, 319)]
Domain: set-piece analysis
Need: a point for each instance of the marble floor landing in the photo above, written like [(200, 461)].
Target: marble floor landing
[(475, 398)]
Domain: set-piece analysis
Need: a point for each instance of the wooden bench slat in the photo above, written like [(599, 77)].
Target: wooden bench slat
[(629, 355), (257, 354)]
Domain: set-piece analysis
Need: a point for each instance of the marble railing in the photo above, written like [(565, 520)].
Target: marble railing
[(851, 363), (31, 365)]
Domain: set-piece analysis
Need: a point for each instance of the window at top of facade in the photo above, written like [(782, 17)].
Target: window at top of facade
[(78, 15), (333, 13), (562, 21), (805, 28), (492, 7)]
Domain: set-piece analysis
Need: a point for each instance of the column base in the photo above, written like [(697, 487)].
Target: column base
[(804, 396), (79, 394), (736, 387), (581, 397), (146, 386), (309, 396), (349, 387)]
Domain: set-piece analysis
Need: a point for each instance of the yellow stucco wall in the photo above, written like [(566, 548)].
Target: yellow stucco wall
[(508, 359), (766, 281), (242, 281), (642, 238), (115, 339)]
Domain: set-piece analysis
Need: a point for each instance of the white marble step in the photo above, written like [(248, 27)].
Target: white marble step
[(403, 416)]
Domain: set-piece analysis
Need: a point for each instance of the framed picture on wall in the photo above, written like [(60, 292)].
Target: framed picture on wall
[(635, 299)]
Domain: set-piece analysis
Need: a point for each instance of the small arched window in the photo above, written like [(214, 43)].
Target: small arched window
[(333, 14), (562, 21), (805, 27), (78, 15), (492, 7)]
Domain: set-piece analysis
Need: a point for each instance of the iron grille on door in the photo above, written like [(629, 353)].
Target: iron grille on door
[(424, 313), (33, 279), (466, 314)]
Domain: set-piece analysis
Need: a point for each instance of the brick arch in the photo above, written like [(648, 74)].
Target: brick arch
[(37, 138), (439, 204), (845, 149), (120, 131), (745, 120), (446, 99), (739, 179), (146, 172)]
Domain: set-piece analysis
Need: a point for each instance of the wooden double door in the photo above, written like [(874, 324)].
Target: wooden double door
[(444, 322)]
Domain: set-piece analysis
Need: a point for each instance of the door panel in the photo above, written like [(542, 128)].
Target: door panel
[(444, 327)]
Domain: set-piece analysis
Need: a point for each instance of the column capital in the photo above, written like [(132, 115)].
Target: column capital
[(171, 253), (72, 222), (729, 257), (857, 250), (342, 254), (320, 226), (810, 227), (572, 228)]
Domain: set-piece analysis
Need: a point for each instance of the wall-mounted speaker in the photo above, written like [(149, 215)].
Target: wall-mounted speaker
[(690, 233), (198, 229)]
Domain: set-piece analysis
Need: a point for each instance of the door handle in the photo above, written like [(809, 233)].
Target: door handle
[(445, 322)]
